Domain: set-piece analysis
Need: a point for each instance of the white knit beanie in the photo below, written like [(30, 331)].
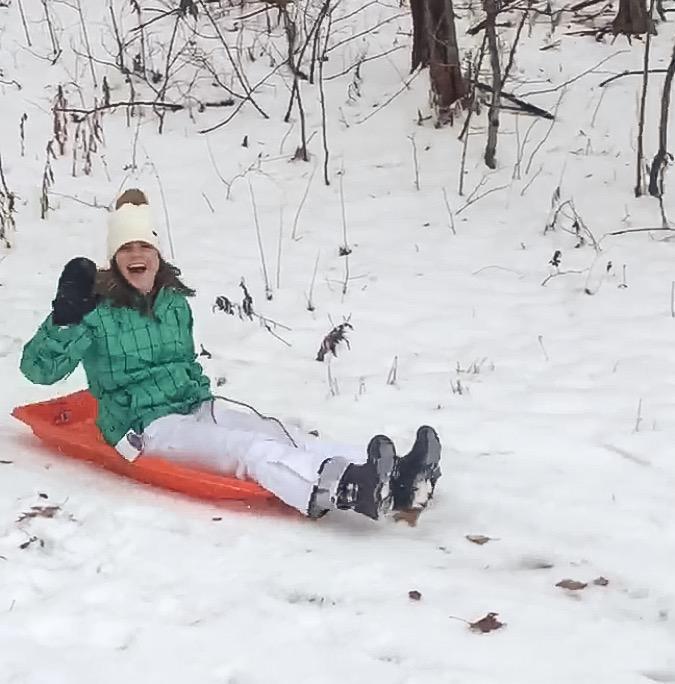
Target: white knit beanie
[(131, 223)]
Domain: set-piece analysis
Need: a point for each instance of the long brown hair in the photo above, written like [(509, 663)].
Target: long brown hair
[(113, 286)]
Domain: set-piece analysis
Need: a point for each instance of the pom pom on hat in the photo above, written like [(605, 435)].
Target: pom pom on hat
[(132, 221)]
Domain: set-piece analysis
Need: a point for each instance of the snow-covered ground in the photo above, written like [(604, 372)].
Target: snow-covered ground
[(556, 406)]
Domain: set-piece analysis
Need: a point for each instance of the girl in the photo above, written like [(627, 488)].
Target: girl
[(130, 326)]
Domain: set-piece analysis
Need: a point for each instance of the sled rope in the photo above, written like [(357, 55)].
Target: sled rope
[(255, 410)]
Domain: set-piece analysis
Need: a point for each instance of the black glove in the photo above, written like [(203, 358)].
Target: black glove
[(75, 293)]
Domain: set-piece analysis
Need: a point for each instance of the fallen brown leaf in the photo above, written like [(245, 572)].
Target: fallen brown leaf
[(572, 585), (601, 581), (486, 624), (479, 539), (414, 595), (409, 515)]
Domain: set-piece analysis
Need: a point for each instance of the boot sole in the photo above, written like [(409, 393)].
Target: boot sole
[(382, 454), (424, 482)]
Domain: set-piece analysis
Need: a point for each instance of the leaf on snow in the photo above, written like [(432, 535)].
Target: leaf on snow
[(409, 515), (30, 541), (6, 462), (601, 581), (39, 512), (479, 539), (572, 585), (414, 595), (486, 624)]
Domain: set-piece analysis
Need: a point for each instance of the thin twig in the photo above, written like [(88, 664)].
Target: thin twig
[(93, 205), (526, 187), (393, 372), (268, 289), (55, 44), (597, 108), (322, 98), (415, 161), (208, 202), (164, 205), (389, 100), (86, 42), (161, 114), (638, 417), (345, 246), (472, 108), (630, 73), (310, 302), (243, 102), (449, 210), (346, 280), (248, 406), (25, 25), (366, 32), (514, 45), (113, 105), (640, 230), (498, 268), (363, 61), (576, 78), (561, 273), (238, 73), (302, 203), (548, 132), (479, 197)]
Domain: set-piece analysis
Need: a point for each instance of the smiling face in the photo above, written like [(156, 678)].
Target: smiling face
[(138, 262)]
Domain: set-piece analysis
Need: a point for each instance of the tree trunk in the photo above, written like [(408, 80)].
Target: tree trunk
[(435, 46), (632, 19), (493, 114), (639, 167), (662, 156)]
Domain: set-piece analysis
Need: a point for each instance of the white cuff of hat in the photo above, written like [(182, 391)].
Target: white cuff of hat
[(131, 223)]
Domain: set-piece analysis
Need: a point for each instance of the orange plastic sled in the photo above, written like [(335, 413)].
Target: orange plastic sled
[(67, 424)]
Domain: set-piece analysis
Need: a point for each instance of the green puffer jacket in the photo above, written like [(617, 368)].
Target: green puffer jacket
[(138, 367)]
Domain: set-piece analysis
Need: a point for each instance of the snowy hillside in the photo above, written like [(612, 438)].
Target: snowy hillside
[(552, 386)]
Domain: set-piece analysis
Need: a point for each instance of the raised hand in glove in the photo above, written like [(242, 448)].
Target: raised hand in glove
[(75, 293)]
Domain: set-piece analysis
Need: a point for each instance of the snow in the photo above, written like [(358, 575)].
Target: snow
[(555, 407)]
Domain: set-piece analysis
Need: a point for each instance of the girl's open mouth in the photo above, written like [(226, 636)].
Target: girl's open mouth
[(136, 268)]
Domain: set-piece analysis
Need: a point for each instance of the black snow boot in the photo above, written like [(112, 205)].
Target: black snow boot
[(366, 488), (418, 472)]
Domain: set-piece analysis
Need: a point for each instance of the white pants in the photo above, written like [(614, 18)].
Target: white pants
[(246, 446)]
